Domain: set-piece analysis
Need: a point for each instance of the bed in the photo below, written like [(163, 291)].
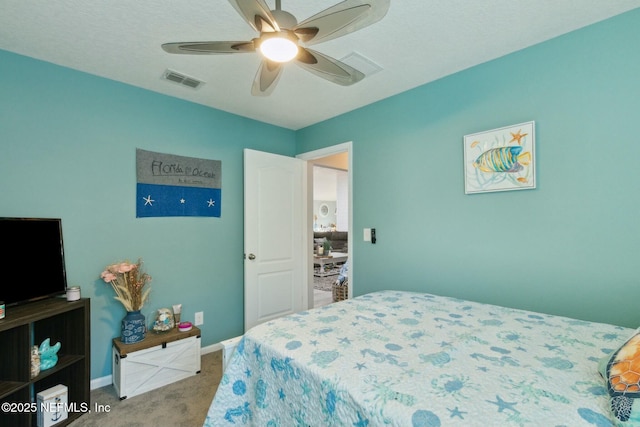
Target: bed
[(408, 359)]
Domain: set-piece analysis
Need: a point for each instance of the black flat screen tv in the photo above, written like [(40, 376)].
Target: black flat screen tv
[(33, 259)]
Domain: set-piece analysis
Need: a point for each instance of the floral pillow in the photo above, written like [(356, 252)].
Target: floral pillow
[(621, 372)]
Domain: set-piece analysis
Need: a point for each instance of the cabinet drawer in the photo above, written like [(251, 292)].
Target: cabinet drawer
[(140, 371)]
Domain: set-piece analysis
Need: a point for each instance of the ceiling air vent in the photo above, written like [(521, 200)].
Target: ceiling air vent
[(174, 76), (360, 63)]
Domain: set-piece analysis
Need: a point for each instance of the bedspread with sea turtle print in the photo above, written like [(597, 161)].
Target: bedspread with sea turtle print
[(408, 359)]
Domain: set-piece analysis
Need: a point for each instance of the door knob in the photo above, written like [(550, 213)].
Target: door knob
[(252, 256)]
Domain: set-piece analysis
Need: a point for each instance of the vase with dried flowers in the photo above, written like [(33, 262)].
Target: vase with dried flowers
[(129, 282)]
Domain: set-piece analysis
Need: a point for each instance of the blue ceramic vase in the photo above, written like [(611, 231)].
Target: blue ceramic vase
[(133, 327)]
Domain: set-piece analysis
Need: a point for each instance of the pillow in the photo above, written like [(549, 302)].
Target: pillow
[(621, 372)]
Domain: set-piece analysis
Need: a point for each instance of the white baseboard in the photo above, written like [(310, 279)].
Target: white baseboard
[(108, 379), (101, 382), (211, 348)]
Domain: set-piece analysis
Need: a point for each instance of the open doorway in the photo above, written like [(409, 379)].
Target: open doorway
[(330, 218), (330, 227)]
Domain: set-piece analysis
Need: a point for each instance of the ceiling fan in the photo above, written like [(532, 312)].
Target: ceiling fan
[(281, 37)]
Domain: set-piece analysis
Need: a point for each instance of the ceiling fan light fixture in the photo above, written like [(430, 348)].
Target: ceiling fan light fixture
[(279, 47), (282, 39)]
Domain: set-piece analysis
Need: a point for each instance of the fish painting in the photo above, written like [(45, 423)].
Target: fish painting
[(500, 159), (503, 159)]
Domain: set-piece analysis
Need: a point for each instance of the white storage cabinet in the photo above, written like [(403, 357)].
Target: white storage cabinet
[(158, 360)]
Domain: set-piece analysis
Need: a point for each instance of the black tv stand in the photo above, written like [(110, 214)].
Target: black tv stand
[(27, 325)]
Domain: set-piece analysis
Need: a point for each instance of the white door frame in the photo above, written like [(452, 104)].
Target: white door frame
[(317, 154)]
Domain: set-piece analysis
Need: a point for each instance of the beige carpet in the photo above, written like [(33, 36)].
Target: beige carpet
[(181, 404)]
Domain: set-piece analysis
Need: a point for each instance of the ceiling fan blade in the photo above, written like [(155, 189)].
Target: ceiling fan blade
[(267, 78), (328, 68), (340, 19), (209, 48), (257, 14)]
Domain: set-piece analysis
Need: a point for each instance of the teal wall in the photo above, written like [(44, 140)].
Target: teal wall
[(67, 150), (569, 247)]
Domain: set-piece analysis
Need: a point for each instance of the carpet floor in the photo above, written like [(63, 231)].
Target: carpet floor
[(182, 404)]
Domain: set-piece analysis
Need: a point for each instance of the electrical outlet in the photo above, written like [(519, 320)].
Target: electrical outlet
[(199, 318)]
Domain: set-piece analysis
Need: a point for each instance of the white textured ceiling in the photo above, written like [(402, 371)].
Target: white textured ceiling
[(418, 41)]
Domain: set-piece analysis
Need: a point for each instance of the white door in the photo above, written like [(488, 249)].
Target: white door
[(275, 283)]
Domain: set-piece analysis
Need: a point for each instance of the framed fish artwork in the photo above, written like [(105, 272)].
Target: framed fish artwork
[(500, 159)]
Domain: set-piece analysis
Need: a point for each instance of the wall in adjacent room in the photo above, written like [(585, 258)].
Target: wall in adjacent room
[(568, 247), (68, 143)]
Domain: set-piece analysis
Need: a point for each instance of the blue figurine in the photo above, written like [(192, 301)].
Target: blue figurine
[(48, 355)]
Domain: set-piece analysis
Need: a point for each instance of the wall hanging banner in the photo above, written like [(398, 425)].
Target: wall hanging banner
[(169, 185)]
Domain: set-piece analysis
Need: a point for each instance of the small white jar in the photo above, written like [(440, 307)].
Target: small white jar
[(73, 293)]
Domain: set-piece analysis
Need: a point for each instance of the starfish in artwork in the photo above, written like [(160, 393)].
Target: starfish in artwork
[(517, 136), (211, 203), (148, 200)]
